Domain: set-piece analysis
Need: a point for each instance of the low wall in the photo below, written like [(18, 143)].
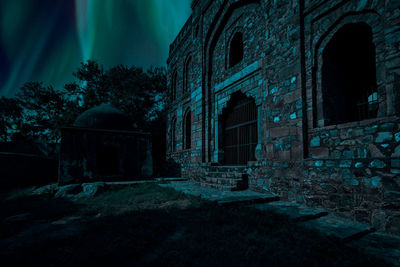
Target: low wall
[(82, 151), (353, 170), (18, 170)]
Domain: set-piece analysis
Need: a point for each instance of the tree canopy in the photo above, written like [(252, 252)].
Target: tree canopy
[(38, 111)]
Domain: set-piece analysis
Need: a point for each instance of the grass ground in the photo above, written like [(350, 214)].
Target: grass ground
[(148, 225)]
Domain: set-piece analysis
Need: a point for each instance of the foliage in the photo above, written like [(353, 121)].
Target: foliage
[(38, 111), (43, 111), (137, 93), (10, 113)]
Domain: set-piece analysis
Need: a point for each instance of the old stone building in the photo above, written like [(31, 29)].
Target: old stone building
[(102, 146), (296, 97)]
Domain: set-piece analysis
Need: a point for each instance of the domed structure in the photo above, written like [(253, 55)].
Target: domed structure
[(105, 117)]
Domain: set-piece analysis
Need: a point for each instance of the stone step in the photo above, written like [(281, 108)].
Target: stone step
[(216, 186), (225, 197), (225, 174), (223, 181), (294, 211), (381, 245), (247, 199), (343, 229), (241, 169), (171, 179)]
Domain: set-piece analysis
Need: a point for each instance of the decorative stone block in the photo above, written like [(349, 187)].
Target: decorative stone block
[(395, 163), (384, 137), (345, 164), (377, 164), (315, 142)]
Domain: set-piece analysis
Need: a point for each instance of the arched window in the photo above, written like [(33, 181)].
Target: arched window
[(236, 49), (186, 82), (174, 81), (173, 135), (349, 89), (187, 130)]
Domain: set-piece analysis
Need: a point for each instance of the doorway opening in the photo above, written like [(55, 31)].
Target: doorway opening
[(239, 122)]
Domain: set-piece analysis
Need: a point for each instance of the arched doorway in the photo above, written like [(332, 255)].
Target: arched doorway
[(239, 134), (349, 87), (108, 161)]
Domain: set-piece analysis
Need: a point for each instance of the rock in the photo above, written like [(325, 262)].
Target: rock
[(375, 152), (49, 189), (384, 137), (377, 164), (92, 189), (68, 190), (395, 163), (315, 142), (387, 126), (66, 220), (147, 168), (396, 152), (18, 218)]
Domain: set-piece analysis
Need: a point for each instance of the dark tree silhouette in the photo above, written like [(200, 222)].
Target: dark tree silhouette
[(139, 94), (38, 111), (10, 114), (44, 110)]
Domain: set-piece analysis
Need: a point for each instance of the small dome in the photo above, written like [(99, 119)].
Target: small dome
[(105, 117)]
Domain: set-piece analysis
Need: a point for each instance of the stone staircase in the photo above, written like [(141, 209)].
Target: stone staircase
[(227, 178)]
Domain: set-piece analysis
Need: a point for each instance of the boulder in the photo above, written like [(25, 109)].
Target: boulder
[(49, 189), (18, 218), (92, 189), (68, 190)]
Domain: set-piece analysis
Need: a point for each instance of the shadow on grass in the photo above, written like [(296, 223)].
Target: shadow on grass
[(207, 235)]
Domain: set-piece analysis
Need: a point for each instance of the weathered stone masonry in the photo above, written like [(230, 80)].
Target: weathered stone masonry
[(325, 80)]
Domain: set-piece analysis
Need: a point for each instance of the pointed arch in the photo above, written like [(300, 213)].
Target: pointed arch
[(174, 83), (236, 50), (367, 20), (187, 129), (173, 134), (215, 30), (239, 129), (349, 75), (187, 73)]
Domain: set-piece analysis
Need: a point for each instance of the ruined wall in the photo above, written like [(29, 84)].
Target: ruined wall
[(350, 168), (22, 170), (188, 46), (247, 76), (81, 150)]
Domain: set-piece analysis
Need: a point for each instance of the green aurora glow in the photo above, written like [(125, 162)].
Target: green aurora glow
[(45, 40)]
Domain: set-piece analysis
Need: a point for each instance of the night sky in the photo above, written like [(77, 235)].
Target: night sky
[(45, 40)]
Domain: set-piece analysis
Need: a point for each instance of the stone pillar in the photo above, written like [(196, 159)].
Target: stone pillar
[(218, 152), (258, 151)]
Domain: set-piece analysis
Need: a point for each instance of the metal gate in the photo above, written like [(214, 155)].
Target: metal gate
[(240, 132)]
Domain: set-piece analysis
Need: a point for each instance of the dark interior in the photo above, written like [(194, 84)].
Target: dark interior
[(188, 130), (349, 76), (236, 49), (107, 161)]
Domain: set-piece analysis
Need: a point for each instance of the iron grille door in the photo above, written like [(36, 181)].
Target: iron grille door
[(240, 133)]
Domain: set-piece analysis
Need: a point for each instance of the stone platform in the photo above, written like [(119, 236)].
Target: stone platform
[(354, 234), (219, 196)]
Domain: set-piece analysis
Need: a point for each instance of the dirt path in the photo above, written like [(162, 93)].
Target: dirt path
[(148, 225)]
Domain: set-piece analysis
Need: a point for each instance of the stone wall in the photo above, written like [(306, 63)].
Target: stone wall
[(21, 170), (82, 152), (350, 168)]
